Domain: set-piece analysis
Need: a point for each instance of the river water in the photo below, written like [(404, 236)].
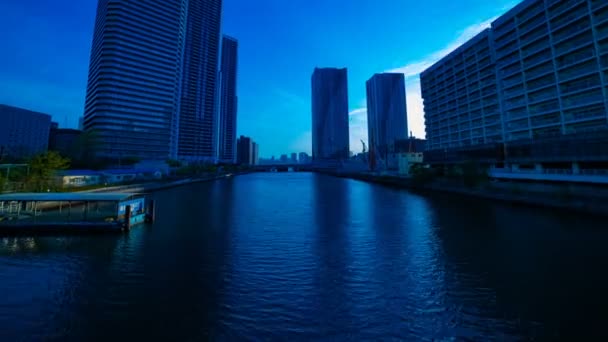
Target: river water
[(301, 256)]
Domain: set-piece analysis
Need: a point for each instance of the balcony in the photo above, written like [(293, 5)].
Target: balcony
[(515, 103), (533, 36), (597, 4), (597, 111), (571, 30), (579, 70), (601, 32), (601, 16), (580, 41), (590, 82), (540, 83), (563, 6), (544, 107), (537, 58), (545, 120), (533, 23), (576, 57), (592, 96), (539, 71), (531, 12), (567, 18), (517, 113), (542, 95), (504, 28)]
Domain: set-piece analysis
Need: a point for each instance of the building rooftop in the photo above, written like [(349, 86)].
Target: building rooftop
[(78, 173)]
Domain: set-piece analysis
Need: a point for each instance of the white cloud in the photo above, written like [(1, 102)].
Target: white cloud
[(415, 108)]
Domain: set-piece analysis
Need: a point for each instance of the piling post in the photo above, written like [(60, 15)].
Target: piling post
[(151, 212), (128, 217)]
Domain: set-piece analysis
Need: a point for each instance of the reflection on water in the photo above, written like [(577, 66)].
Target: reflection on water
[(311, 257)]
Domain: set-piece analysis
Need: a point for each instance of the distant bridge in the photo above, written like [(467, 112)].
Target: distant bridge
[(283, 167)]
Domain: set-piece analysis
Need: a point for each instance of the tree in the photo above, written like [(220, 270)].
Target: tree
[(43, 168)]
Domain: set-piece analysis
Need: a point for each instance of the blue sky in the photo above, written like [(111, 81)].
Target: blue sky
[(46, 47)]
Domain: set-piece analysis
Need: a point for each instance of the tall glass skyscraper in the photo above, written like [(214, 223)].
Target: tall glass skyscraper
[(329, 114), (228, 99), (134, 76), (152, 78), (386, 113), (197, 133)]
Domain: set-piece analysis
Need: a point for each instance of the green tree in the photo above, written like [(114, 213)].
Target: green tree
[(43, 168)]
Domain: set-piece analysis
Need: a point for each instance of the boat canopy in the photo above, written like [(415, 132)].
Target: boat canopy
[(66, 197)]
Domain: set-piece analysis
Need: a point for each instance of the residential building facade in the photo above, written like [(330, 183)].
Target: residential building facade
[(530, 92), (228, 100), (23, 132), (330, 114), (386, 115)]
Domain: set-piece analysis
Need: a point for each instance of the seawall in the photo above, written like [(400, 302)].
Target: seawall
[(570, 197)]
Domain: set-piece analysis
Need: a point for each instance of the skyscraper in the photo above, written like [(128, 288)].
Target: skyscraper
[(197, 127), (228, 99), (151, 91), (245, 149), (255, 150), (134, 73), (329, 114), (386, 114)]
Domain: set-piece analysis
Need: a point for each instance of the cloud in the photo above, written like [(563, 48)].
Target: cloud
[(411, 71)]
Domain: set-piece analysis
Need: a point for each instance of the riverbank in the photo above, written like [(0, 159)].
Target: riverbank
[(583, 199), (157, 186)]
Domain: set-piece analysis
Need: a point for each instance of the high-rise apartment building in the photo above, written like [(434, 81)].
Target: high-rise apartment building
[(386, 114), (151, 91), (329, 114), (460, 93), (228, 99), (197, 128), (533, 89), (134, 72)]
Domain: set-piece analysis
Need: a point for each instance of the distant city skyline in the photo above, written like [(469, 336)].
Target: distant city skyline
[(52, 43)]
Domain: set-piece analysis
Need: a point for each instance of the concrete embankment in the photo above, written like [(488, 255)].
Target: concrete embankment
[(586, 199), (156, 186)]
